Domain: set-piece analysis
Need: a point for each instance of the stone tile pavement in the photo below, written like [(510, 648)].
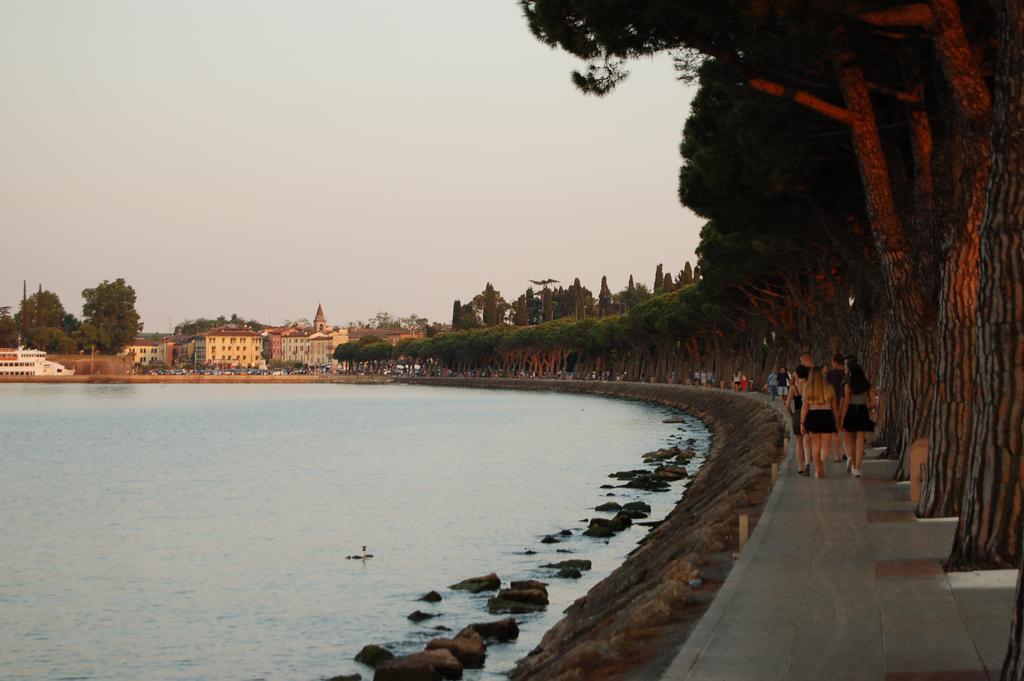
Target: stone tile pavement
[(841, 581)]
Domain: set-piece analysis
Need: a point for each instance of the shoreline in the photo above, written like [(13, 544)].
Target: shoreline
[(632, 624), (198, 378)]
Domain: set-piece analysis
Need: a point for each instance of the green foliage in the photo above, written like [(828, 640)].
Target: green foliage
[(8, 330), (109, 310), (191, 327)]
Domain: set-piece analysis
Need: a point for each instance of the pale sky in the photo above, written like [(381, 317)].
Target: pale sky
[(260, 157)]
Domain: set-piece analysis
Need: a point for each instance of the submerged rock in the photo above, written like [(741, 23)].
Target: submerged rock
[(499, 630), (428, 665), (629, 475), (431, 597), (372, 655), (608, 507), (549, 540), (566, 533), (475, 585), (675, 419), (599, 531), (347, 677), (568, 573), (419, 616), (648, 483), (637, 506), (575, 563)]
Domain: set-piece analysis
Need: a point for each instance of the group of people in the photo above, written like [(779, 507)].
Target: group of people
[(830, 409)]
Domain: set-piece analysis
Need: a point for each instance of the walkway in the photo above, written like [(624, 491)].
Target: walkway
[(841, 581)]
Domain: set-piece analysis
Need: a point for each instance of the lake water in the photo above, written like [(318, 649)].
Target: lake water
[(200, 531)]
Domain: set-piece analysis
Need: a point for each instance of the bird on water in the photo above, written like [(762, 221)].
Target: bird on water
[(362, 557)]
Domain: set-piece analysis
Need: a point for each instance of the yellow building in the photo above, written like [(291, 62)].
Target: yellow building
[(229, 346), (144, 352)]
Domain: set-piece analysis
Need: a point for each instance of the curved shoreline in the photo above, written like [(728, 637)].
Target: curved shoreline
[(632, 623)]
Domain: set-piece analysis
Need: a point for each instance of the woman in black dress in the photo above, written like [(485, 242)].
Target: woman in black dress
[(858, 400), (818, 416), (794, 403)]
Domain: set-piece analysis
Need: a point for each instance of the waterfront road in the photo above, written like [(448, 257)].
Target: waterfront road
[(841, 581)]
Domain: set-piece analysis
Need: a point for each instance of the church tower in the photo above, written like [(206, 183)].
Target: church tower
[(319, 321)]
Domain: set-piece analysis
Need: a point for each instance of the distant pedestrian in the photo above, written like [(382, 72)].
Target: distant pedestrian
[(744, 383), (782, 379), (736, 378), (794, 405), (818, 416), (773, 384), (858, 401), (836, 377)]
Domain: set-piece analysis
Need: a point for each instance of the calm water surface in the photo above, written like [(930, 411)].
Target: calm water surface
[(200, 531)]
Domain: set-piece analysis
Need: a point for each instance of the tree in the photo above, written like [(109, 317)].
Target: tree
[(8, 328), (109, 310), (456, 315), (42, 308), (490, 305), (604, 298), (522, 316), (659, 280)]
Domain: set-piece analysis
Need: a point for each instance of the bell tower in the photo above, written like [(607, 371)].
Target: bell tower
[(319, 321)]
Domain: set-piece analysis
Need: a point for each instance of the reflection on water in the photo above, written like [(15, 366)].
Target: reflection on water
[(200, 531)]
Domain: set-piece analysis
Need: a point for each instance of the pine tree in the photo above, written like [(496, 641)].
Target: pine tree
[(456, 315), (659, 279), (579, 308), (549, 307), (667, 287)]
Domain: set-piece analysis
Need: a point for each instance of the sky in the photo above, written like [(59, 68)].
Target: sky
[(259, 157)]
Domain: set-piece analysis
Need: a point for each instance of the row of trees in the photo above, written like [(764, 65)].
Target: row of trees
[(863, 162), (490, 308), (109, 320)]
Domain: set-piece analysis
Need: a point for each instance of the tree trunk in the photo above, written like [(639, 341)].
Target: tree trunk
[(988, 534)]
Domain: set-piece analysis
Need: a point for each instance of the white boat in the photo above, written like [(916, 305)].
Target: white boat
[(26, 362)]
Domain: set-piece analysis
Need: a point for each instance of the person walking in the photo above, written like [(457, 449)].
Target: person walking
[(773, 384), (736, 381), (858, 401), (819, 416), (782, 381), (794, 405), (836, 377)]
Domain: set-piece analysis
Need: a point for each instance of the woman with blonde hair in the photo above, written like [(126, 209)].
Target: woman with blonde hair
[(818, 416)]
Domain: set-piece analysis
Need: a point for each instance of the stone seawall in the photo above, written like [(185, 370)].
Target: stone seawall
[(631, 624)]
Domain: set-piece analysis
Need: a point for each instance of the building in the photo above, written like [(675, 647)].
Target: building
[(295, 346), (229, 347), (144, 352), (24, 362), (272, 349)]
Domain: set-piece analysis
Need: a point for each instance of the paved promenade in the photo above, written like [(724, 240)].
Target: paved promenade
[(841, 581)]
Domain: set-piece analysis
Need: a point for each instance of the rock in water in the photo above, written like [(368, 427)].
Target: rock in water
[(525, 596), (610, 506), (549, 540), (419, 616), (530, 584), (599, 531), (499, 630), (475, 585), (675, 419), (429, 665), (468, 647), (347, 677), (637, 506), (568, 573), (431, 597), (576, 563), (373, 655), (566, 533)]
